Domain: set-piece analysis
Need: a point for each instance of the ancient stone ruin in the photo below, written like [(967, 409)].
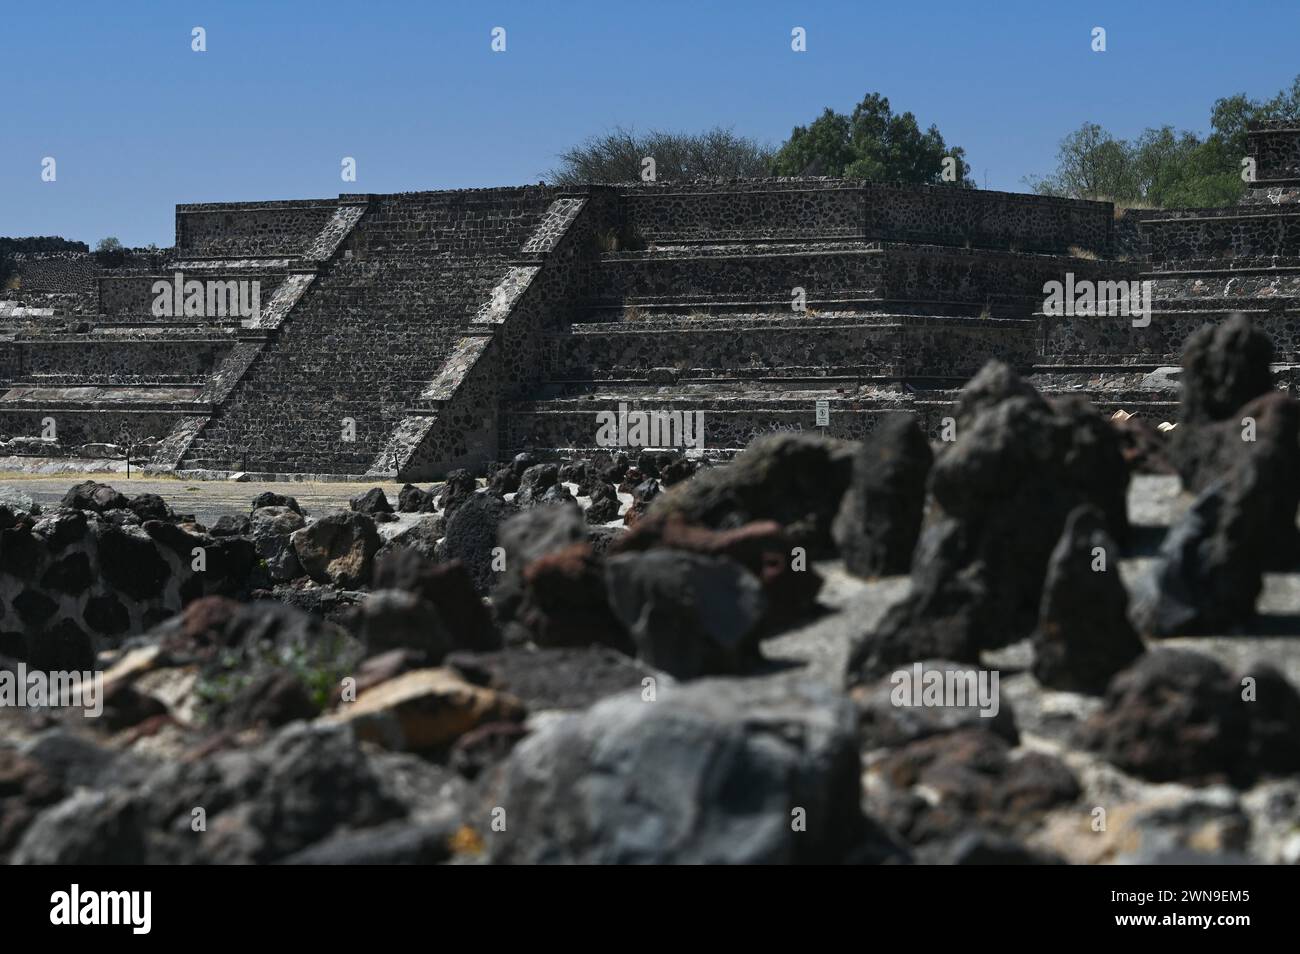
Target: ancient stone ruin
[(827, 632), (406, 335)]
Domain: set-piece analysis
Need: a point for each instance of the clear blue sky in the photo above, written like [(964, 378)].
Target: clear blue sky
[(138, 122)]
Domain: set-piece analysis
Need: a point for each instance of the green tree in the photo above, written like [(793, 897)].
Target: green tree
[(1090, 164), (873, 142), (618, 156), (1163, 167), (109, 244)]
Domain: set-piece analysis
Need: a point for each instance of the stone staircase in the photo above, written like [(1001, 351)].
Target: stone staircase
[(332, 383), (754, 307)]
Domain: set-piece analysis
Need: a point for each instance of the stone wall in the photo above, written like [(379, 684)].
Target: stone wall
[(812, 209), (84, 360), (456, 421), (1009, 284), (250, 230), (74, 582), (87, 424), (756, 273), (749, 209), (57, 273), (1215, 283), (130, 298), (1275, 145), (886, 346), (978, 218), (1092, 340), (1229, 233)]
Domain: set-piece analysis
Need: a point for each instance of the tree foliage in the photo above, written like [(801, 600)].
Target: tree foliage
[(617, 156), (873, 142), (1164, 167)]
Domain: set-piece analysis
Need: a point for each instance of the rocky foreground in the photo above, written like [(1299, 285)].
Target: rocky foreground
[(624, 660)]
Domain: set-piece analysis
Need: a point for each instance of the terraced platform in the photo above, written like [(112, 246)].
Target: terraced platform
[(400, 336)]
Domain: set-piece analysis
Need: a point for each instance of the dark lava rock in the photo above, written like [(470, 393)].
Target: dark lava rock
[(605, 504), (421, 537), (472, 536), (62, 647), (761, 547), (130, 562), (271, 499), (72, 574), (893, 711), (449, 588), (272, 529), (1084, 636), (534, 484), (125, 706), (687, 614), (231, 525), (150, 507), (970, 779), (1003, 492), (61, 527), (574, 472), (615, 470), (647, 462), (1263, 435), (880, 515), (643, 495), (1224, 366), (565, 603), (715, 772), (680, 469), (1209, 571), (21, 552), (1145, 449), (990, 848), (459, 487), (937, 620), (411, 499), (484, 746), (555, 495), (271, 700), (398, 619), (632, 476), (91, 495), (34, 607), (106, 614), (395, 843), (795, 479), (26, 787), (262, 804), (560, 678), (1176, 715), (373, 501), (237, 637), (338, 548), (524, 538), (504, 481), (994, 383), (522, 462)]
